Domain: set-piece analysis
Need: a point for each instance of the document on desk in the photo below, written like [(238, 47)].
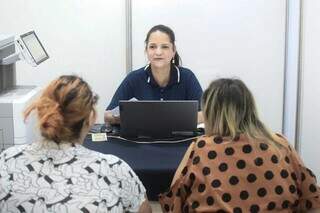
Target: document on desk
[(99, 137), (116, 112), (200, 125)]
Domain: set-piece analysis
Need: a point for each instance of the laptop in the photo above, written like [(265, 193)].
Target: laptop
[(158, 119)]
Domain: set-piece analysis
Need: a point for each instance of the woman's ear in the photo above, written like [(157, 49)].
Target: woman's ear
[(87, 125), (92, 118), (174, 50)]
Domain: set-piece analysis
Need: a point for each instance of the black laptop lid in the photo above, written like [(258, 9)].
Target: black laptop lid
[(158, 119)]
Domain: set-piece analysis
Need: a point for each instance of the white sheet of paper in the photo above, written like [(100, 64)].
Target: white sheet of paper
[(116, 112), (98, 137)]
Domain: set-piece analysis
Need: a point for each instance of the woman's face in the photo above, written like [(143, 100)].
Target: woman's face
[(160, 50)]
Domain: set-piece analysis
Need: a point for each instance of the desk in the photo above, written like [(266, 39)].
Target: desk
[(155, 164)]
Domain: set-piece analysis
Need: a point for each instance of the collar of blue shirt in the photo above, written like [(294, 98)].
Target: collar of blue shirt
[(174, 76)]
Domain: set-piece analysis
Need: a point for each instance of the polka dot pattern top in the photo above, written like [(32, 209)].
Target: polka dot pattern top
[(221, 175)]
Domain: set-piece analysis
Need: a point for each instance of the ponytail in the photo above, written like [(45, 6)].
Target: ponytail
[(176, 60)]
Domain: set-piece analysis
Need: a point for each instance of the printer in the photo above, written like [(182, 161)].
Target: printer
[(14, 98)]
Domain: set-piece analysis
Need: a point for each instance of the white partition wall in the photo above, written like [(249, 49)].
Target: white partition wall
[(84, 37), (229, 38), (310, 89)]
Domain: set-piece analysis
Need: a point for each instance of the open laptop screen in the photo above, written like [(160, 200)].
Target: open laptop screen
[(158, 119)]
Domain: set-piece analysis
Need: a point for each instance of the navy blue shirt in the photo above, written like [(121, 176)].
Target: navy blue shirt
[(140, 84)]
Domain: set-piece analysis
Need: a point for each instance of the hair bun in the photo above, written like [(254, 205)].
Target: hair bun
[(50, 119), (63, 108)]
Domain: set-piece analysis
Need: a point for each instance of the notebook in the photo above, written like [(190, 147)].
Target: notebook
[(158, 119)]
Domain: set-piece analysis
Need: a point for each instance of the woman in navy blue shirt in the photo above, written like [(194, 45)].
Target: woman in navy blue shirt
[(161, 79)]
